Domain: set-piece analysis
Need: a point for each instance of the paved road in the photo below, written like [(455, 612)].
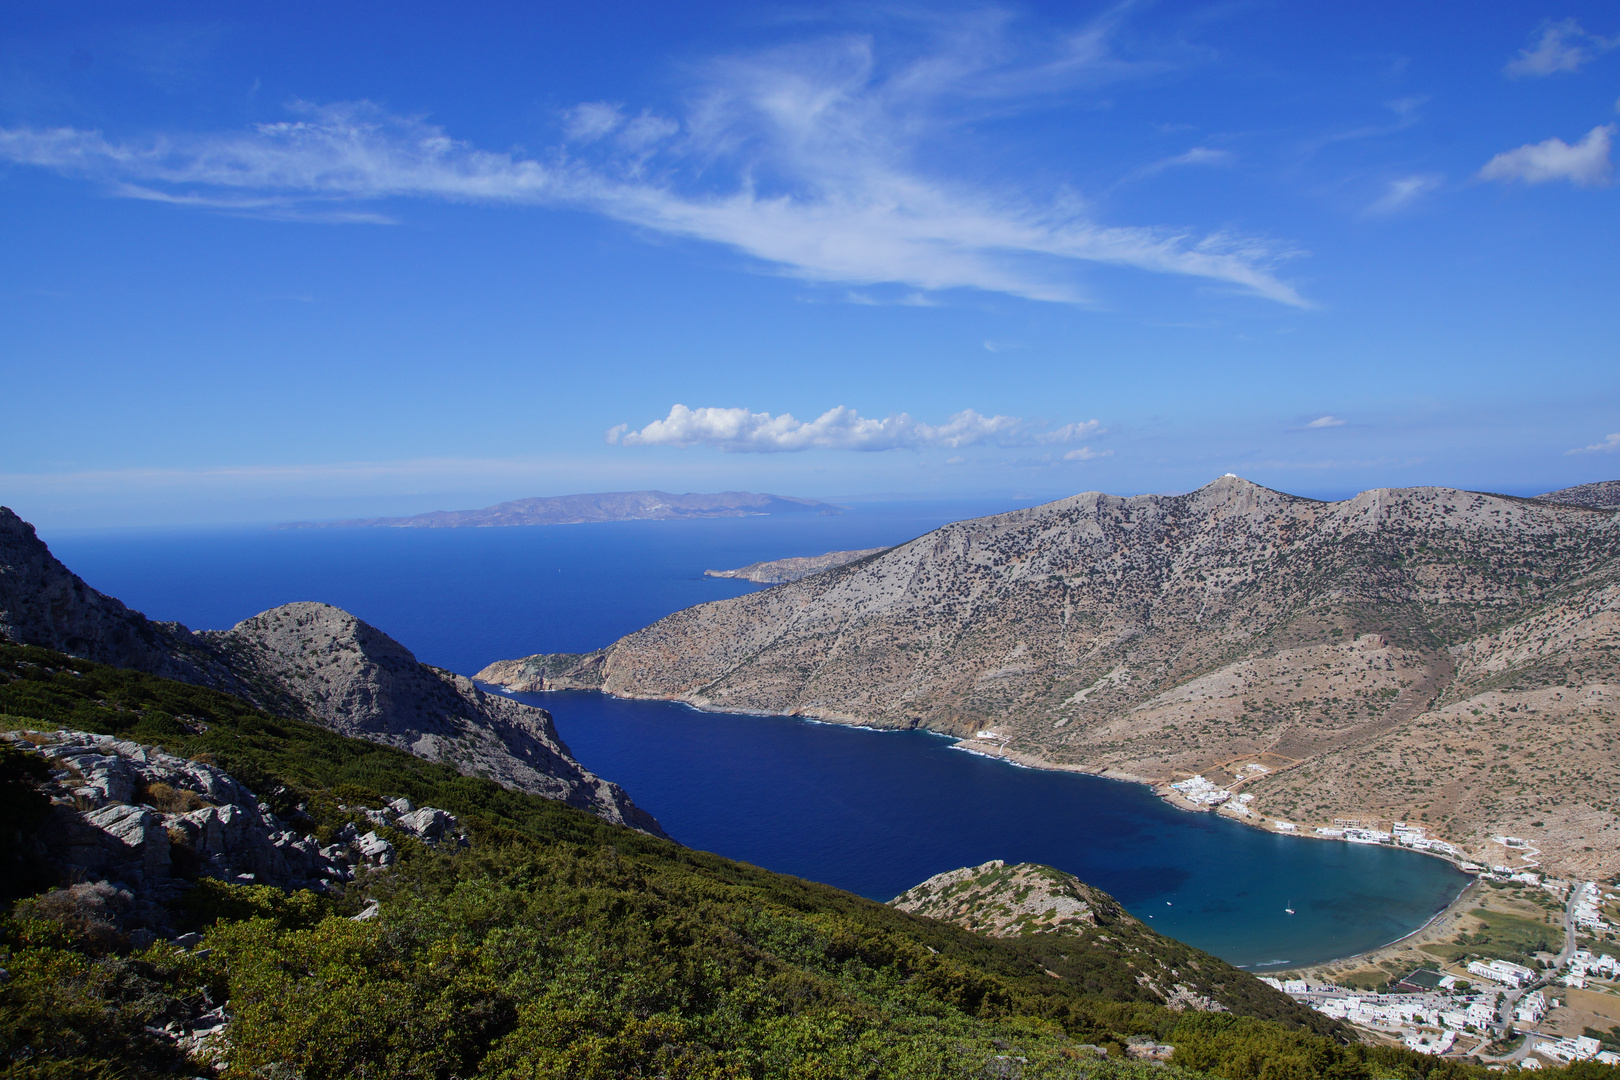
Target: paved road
[(1569, 925), (1511, 997)]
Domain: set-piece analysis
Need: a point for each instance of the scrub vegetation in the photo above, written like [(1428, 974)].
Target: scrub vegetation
[(554, 945)]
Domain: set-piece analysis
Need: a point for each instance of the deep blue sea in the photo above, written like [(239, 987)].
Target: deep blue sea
[(872, 812)]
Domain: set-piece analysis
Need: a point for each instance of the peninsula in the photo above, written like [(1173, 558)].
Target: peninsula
[(1442, 659), (601, 506), (780, 571)]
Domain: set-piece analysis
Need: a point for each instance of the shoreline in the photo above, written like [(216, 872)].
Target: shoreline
[(994, 751), (1371, 957)]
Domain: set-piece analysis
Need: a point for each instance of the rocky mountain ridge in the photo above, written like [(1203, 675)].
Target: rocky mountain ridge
[(601, 506), (1605, 494), (309, 661), (1422, 654)]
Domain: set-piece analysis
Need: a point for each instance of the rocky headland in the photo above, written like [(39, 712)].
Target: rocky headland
[(603, 506), (780, 571), (1439, 657), (309, 661), (1072, 919)]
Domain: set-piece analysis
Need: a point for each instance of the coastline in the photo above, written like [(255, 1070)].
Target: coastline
[(1434, 929), (1017, 759)]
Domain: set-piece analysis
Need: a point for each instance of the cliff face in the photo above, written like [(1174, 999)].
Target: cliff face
[(1083, 927), (310, 661), (1154, 637)]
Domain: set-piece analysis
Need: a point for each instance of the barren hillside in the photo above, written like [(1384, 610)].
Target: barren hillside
[(1380, 656)]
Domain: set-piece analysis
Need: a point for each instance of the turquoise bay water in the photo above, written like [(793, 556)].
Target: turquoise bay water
[(872, 812)]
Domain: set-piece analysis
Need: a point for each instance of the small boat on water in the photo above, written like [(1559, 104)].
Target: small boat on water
[(1289, 910)]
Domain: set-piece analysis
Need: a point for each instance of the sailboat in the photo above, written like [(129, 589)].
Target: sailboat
[(1289, 910)]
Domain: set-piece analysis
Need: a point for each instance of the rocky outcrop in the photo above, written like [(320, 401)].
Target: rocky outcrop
[(1155, 637), (1006, 901), (1088, 929), (354, 679), (780, 571), (309, 661), (605, 506), (146, 820)]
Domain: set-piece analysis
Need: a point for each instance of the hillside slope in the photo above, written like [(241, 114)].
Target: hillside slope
[(555, 944), (1066, 920), (1155, 637), (1604, 493), (306, 660)]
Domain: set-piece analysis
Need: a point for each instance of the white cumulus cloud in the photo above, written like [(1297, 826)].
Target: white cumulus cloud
[(1609, 445), (842, 428), (832, 160), (1585, 164), (1558, 46)]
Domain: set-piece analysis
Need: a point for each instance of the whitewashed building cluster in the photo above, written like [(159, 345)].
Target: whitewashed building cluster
[(1531, 1008), (1408, 835), (1435, 1010), (1580, 1048), (1425, 1042), (1202, 791), (1583, 966), (1501, 971), (1589, 906)]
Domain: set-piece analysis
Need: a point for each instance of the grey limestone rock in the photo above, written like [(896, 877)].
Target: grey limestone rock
[(356, 680), (122, 811)]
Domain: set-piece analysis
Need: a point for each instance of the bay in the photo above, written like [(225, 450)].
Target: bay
[(876, 812), (872, 812)]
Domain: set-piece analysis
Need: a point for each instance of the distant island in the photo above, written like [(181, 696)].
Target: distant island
[(781, 571), (600, 506)]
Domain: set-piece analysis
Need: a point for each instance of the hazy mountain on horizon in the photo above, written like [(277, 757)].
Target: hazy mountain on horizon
[(591, 507)]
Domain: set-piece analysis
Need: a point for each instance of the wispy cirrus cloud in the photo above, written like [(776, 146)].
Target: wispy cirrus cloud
[(832, 160), (1325, 422), (1609, 445), (1560, 46), (1585, 164), (1403, 192), (738, 430), (1197, 156)]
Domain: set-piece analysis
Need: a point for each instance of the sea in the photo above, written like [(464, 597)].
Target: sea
[(870, 811)]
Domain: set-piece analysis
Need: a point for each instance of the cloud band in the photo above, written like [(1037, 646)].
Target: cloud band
[(738, 430)]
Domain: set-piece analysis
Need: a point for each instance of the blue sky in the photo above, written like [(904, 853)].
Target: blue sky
[(295, 260)]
